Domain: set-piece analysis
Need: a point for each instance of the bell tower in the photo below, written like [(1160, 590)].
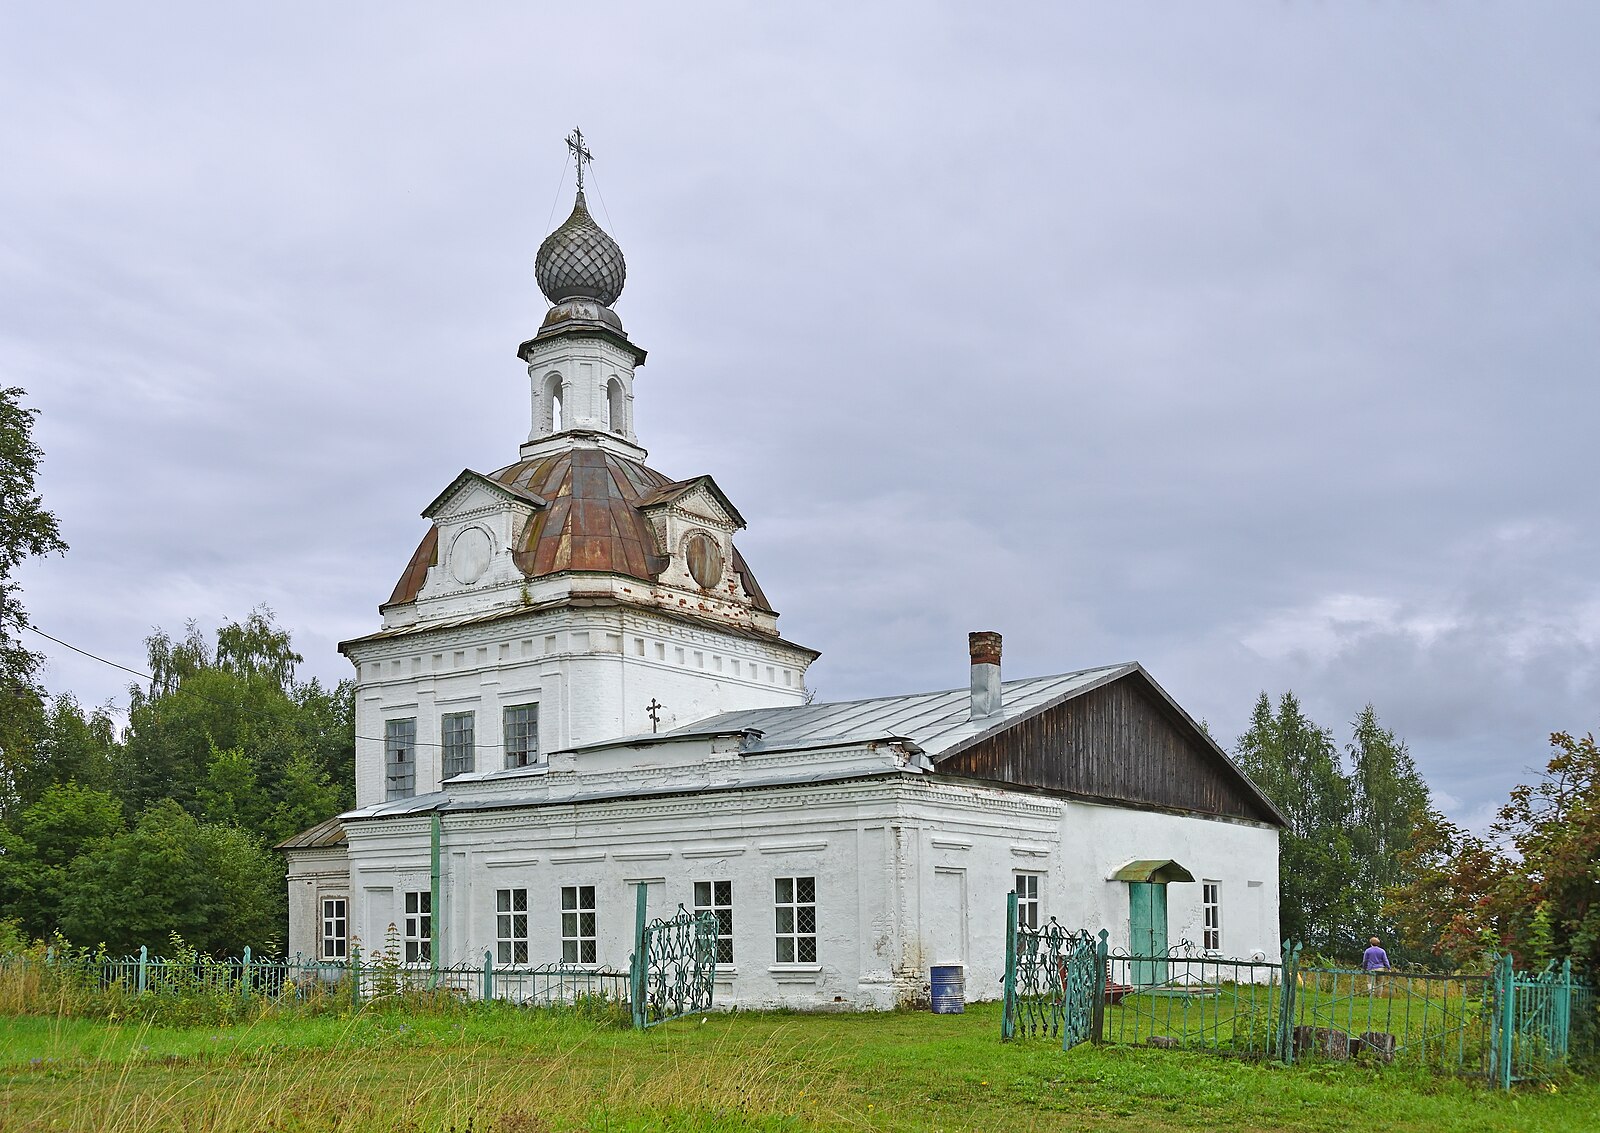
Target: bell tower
[(581, 363)]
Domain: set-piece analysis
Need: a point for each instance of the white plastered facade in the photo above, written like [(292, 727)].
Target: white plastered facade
[(910, 870)]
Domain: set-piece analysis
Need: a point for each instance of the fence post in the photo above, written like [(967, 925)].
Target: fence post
[(244, 974), (637, 962), (435, 905), (1102, 961), (144, 967), (355, 974), (1008, 1015), (1506, 971), (1561, 1020), (488, 975), (1289, 977)]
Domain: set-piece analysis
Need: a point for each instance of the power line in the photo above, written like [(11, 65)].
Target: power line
[(211, 699)]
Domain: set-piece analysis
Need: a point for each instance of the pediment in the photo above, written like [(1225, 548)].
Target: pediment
[(700, 497), (472, 492)]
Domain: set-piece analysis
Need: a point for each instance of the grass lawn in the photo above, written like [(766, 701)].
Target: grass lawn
[(505, 1071)]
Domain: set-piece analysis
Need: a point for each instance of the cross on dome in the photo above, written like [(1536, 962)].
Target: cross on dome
[(580, 260), (580, 153)]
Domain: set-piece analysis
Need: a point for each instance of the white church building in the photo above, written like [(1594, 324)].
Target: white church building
[(579, 688)]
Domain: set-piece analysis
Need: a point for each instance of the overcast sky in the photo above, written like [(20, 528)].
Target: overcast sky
[(1253, 342)]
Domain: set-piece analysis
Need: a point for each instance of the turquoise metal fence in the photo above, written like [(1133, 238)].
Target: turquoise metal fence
[(1502, 1026), (1052, 981), (360, 979), (1541, 1022), (673, 969), (1184, 999)]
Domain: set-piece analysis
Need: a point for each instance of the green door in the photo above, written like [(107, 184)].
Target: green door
[(1147, 930)]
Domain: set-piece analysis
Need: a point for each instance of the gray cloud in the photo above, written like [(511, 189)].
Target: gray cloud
[(1255, 343)]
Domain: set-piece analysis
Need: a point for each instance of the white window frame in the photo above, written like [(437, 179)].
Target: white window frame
[(418, 935), (716, 898), (580, 915), (795, 919), (456, 743), (1030, 910), (1211, 916), (521, 737), (511, 926), (400, 758), (335, 928)]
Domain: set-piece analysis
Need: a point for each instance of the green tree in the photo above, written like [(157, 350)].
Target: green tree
[(1444, 904), (49, 835), (216, 886), (26, 530), (219, 729), (307, 797), (1549, 899), (64, 745), (1296, 763), (1389, 800)]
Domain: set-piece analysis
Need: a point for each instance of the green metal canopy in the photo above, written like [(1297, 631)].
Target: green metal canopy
[(1158, 871)]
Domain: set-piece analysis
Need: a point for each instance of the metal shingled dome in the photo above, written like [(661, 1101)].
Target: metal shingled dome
[(591, 522), (580, 260)]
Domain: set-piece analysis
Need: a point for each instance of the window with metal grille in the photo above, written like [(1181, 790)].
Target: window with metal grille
[(334, 923), (511, 926), (1211, 908), (455, 737), (795, 901), (716, 898), (419, 927), (522, 735), (577, 924), (400, 758), (1027, 890)]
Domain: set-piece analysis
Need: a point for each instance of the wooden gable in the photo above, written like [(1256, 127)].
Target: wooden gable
[(1123, 742)]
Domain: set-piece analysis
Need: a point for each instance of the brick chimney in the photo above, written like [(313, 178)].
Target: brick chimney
[(984, 645)]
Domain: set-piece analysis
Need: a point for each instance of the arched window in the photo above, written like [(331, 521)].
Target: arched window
[(616, 408), (552, 403)]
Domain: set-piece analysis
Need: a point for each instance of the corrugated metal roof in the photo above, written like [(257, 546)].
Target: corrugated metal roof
[(328, 832), (937, 722)]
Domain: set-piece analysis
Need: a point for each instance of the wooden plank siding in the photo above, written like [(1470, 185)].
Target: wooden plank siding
[(1121, 742)]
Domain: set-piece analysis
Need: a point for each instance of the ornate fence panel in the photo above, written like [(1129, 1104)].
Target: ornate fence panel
[(1052, 981), (1541, 1020), (673, 969)]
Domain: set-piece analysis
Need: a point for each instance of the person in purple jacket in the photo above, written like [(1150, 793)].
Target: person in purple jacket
[(1374, 960)]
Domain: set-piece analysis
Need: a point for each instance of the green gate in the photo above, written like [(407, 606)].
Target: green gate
[(673, 969), (1531, 1016), (1054, 980)]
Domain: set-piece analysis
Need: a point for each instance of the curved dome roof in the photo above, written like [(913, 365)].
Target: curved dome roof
[(592, 522), (580, 260)]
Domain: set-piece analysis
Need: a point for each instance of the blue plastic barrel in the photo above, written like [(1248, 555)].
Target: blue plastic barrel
[(949, 989)]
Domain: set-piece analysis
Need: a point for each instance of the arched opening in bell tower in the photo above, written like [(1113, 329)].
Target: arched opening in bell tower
[(552, 403), (616, 408)]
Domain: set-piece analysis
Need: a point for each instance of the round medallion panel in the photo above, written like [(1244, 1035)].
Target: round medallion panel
[(470, 555), (705, 559)]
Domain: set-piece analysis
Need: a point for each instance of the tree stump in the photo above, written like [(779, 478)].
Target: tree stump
[(1328, 1042), (1380, 1043)]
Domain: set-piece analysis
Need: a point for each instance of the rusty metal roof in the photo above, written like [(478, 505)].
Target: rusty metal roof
[(591, 522), (328, 832)]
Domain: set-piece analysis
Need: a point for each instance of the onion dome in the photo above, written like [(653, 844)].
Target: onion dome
[(580, 260)]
